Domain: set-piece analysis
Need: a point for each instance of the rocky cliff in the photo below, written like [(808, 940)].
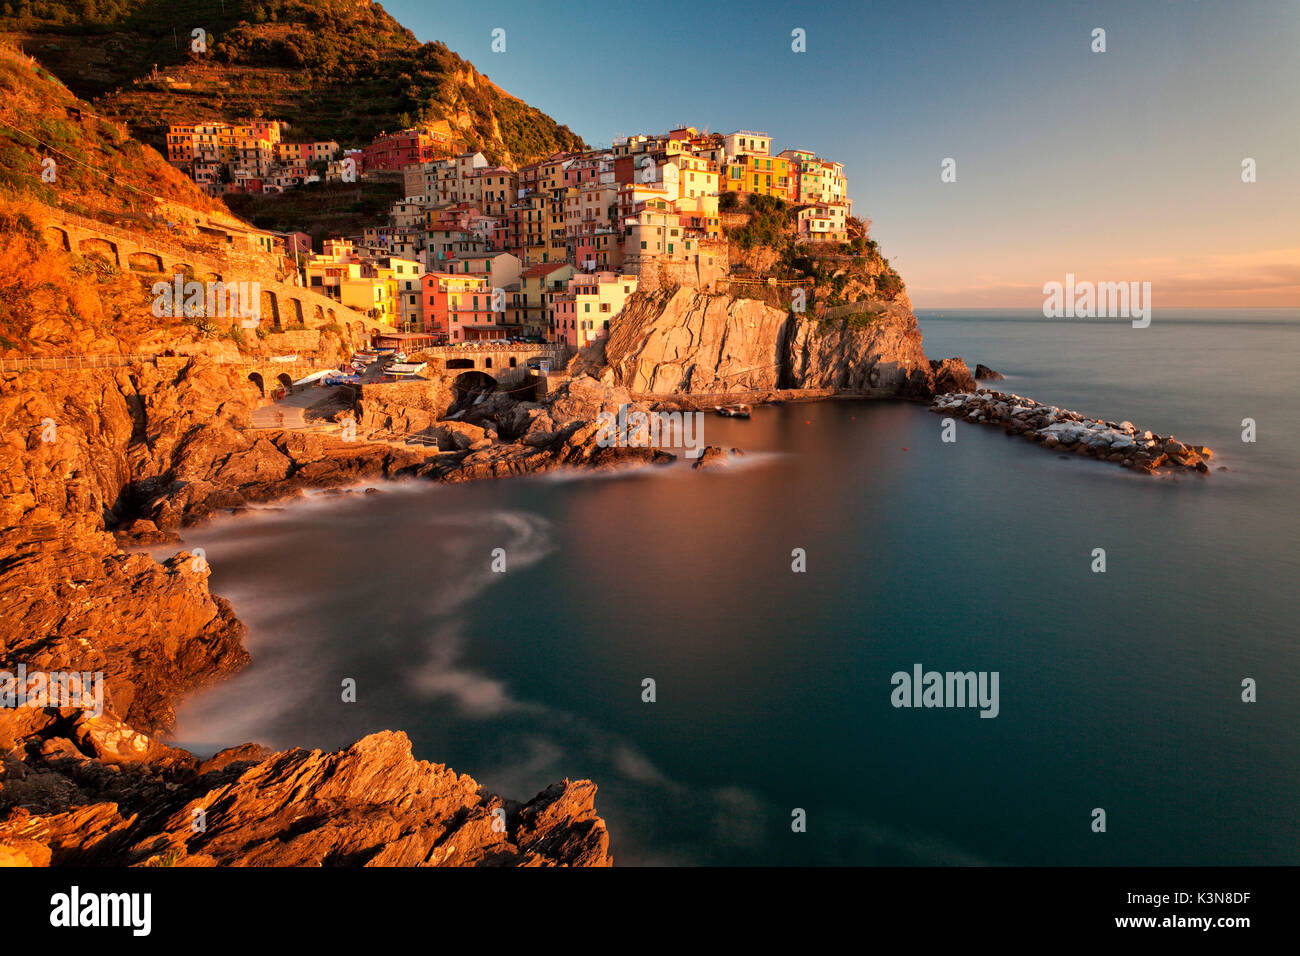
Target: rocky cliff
[(91, 791), (141, 452), (683, 341)]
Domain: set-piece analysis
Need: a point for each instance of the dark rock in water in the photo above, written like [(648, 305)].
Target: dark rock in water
[(984, 372), (713, 457), (951, 375)]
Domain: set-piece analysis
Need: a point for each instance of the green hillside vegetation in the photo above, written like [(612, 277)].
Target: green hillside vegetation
[(56, 301), (766, 245), (320, 209), (335, 69), (98, 169)]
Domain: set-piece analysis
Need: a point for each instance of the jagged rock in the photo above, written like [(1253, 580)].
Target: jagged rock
[(458, 436), (372, 804), (983, 372), (951, 375), (73, 601)]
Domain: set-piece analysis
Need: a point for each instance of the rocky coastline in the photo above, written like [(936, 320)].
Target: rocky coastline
[(1062, 430), (134, 456), (138, 454)]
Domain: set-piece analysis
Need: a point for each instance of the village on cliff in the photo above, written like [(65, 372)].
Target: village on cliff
[(548, 252)]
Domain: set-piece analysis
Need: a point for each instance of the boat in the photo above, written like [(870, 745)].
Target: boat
[(406, 368), (316, 376), (732, 411)]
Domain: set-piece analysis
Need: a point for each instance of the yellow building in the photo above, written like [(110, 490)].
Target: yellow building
[(583, 313), (764, 175)]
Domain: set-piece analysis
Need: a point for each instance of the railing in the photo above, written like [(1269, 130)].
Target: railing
[(488, 347), (70, 362)]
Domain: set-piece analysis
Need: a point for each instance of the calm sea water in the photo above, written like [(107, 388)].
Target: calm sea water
[(1119, 690)]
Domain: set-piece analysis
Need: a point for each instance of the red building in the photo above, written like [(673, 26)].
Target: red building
[(455, 306), (410, 147)]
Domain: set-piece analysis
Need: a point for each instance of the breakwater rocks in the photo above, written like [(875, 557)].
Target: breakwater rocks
[(1063, 430)]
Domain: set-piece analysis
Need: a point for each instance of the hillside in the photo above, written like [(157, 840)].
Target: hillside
[(762, 245), (52, 300), (99, 170), (60, 161), (335, 69)]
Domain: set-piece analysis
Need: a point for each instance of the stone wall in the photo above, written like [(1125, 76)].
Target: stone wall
[(704, 271)]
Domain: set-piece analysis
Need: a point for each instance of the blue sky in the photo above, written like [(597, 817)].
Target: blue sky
[(1123, 165)]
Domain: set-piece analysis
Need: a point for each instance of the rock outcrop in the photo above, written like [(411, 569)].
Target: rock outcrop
[(876, 352), (951, 375), (689, 342), (984, 373), (144, 451), (90, 791)]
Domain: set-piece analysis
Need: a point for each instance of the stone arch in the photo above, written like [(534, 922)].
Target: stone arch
[(256, 379), (102, 248), (513, 361), (185, 269), (140, 261), (206, 276), (297, 316), (271, 308), (58, 236), (285, 379), (487, 362), (459, 363), (473, 383)]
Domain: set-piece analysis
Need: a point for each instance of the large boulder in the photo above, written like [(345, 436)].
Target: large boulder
[(951, 375)]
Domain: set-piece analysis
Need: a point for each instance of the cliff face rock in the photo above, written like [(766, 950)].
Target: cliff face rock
[(687, 341), (74, 601), (148, 449), (77, 800), (874, 351), (684, 341)]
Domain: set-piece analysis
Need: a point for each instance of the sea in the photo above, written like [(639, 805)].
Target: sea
[(721, 651)]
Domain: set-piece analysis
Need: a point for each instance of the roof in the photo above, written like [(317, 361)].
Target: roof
[(545, 268)]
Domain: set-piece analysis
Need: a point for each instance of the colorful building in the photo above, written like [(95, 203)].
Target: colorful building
[(582, 313), (764, 175), (456, 307)]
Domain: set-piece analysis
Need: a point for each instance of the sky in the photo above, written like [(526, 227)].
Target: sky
[(1123, 165)]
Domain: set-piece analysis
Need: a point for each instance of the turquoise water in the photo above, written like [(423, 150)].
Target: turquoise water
[(1119, 691)]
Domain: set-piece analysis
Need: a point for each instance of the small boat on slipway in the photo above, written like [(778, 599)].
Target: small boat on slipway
[(732, 411)]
